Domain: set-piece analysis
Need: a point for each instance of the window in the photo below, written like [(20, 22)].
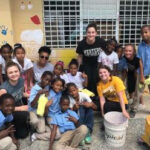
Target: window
[(66, 20)]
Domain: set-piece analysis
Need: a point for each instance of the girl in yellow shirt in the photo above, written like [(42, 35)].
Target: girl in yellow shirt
[(111, 91)]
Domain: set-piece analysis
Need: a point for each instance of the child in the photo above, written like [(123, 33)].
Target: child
[(144, 55), (67, 122), (82, 104), (36, 92), (80, 79), (15, 86), (122, 65), (58, 69), (109, 57), (132, 79), (6, 53), (7, 139), (55, 93), (25, 65)]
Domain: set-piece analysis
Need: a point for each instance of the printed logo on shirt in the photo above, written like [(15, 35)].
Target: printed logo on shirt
[(110, 93), (92, 52)]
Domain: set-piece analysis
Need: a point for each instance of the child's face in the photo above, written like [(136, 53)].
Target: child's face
[(6, 53), (111, 47), (91, 34), (145, 34), (45, 81), (73, 91), (57, 86), (129, 52), (104, 74), (20, 54), (8, 106), (120, 52), (58, 70), (73, 69), (13, 73), (64, 105)]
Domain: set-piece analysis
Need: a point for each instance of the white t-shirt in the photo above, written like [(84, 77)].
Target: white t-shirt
[(3, 63), (108, 60), (82, 98), (38, 71), (27, 64), (77, 79)]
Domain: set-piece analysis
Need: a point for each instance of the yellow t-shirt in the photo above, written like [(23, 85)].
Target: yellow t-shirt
[(110, 89)]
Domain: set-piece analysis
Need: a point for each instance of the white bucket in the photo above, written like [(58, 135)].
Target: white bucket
[(115, 128)]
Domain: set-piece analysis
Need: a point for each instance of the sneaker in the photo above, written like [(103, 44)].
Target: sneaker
[(141, 107), (88, 139), (33, 137), (132, 114), (82, 143)]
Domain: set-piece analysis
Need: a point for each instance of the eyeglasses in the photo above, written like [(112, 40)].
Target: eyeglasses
[(44, 57)]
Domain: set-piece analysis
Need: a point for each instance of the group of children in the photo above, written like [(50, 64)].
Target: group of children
[(68, 113)]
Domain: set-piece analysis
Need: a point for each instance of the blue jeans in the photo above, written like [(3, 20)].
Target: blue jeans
[(86, 117)]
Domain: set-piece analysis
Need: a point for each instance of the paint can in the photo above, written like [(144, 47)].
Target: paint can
[(115, 128)]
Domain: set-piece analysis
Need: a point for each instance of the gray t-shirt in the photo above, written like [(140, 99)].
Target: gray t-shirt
[(15, 90), (38, 71)]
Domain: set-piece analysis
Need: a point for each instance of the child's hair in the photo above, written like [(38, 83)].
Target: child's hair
[(61, 63), (110, 41), (58, 79), (74, 62), (64, 97), (91, 25), (119, 47), (18, 46), (46, 73), (145, 26), (6, 46), (45, 49), (11, 64), (71, 84), (6, 96), (134, 49)]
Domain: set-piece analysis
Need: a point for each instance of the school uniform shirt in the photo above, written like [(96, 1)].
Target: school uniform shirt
[(38, 71), (61, 120), (15, 90), (35, 89), (108, 60), (27, 64), (3, 63), (82, 98), (77, 79), (4, 119), (110, 89), (55, 107), (144, 54)]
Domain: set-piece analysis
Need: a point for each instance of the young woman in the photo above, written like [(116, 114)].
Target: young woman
[(88, 51), (111, 91), (42, 65)]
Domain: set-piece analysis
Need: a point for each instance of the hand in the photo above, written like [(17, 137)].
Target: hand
[(84, 75), (49, 103), (86, 104), (16, 142), (76, 106), (73, 119), (10, 130), (126, 114), (142, 80)]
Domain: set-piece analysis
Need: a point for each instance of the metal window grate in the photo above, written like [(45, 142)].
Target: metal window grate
[(133, 14), (66, 20)]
